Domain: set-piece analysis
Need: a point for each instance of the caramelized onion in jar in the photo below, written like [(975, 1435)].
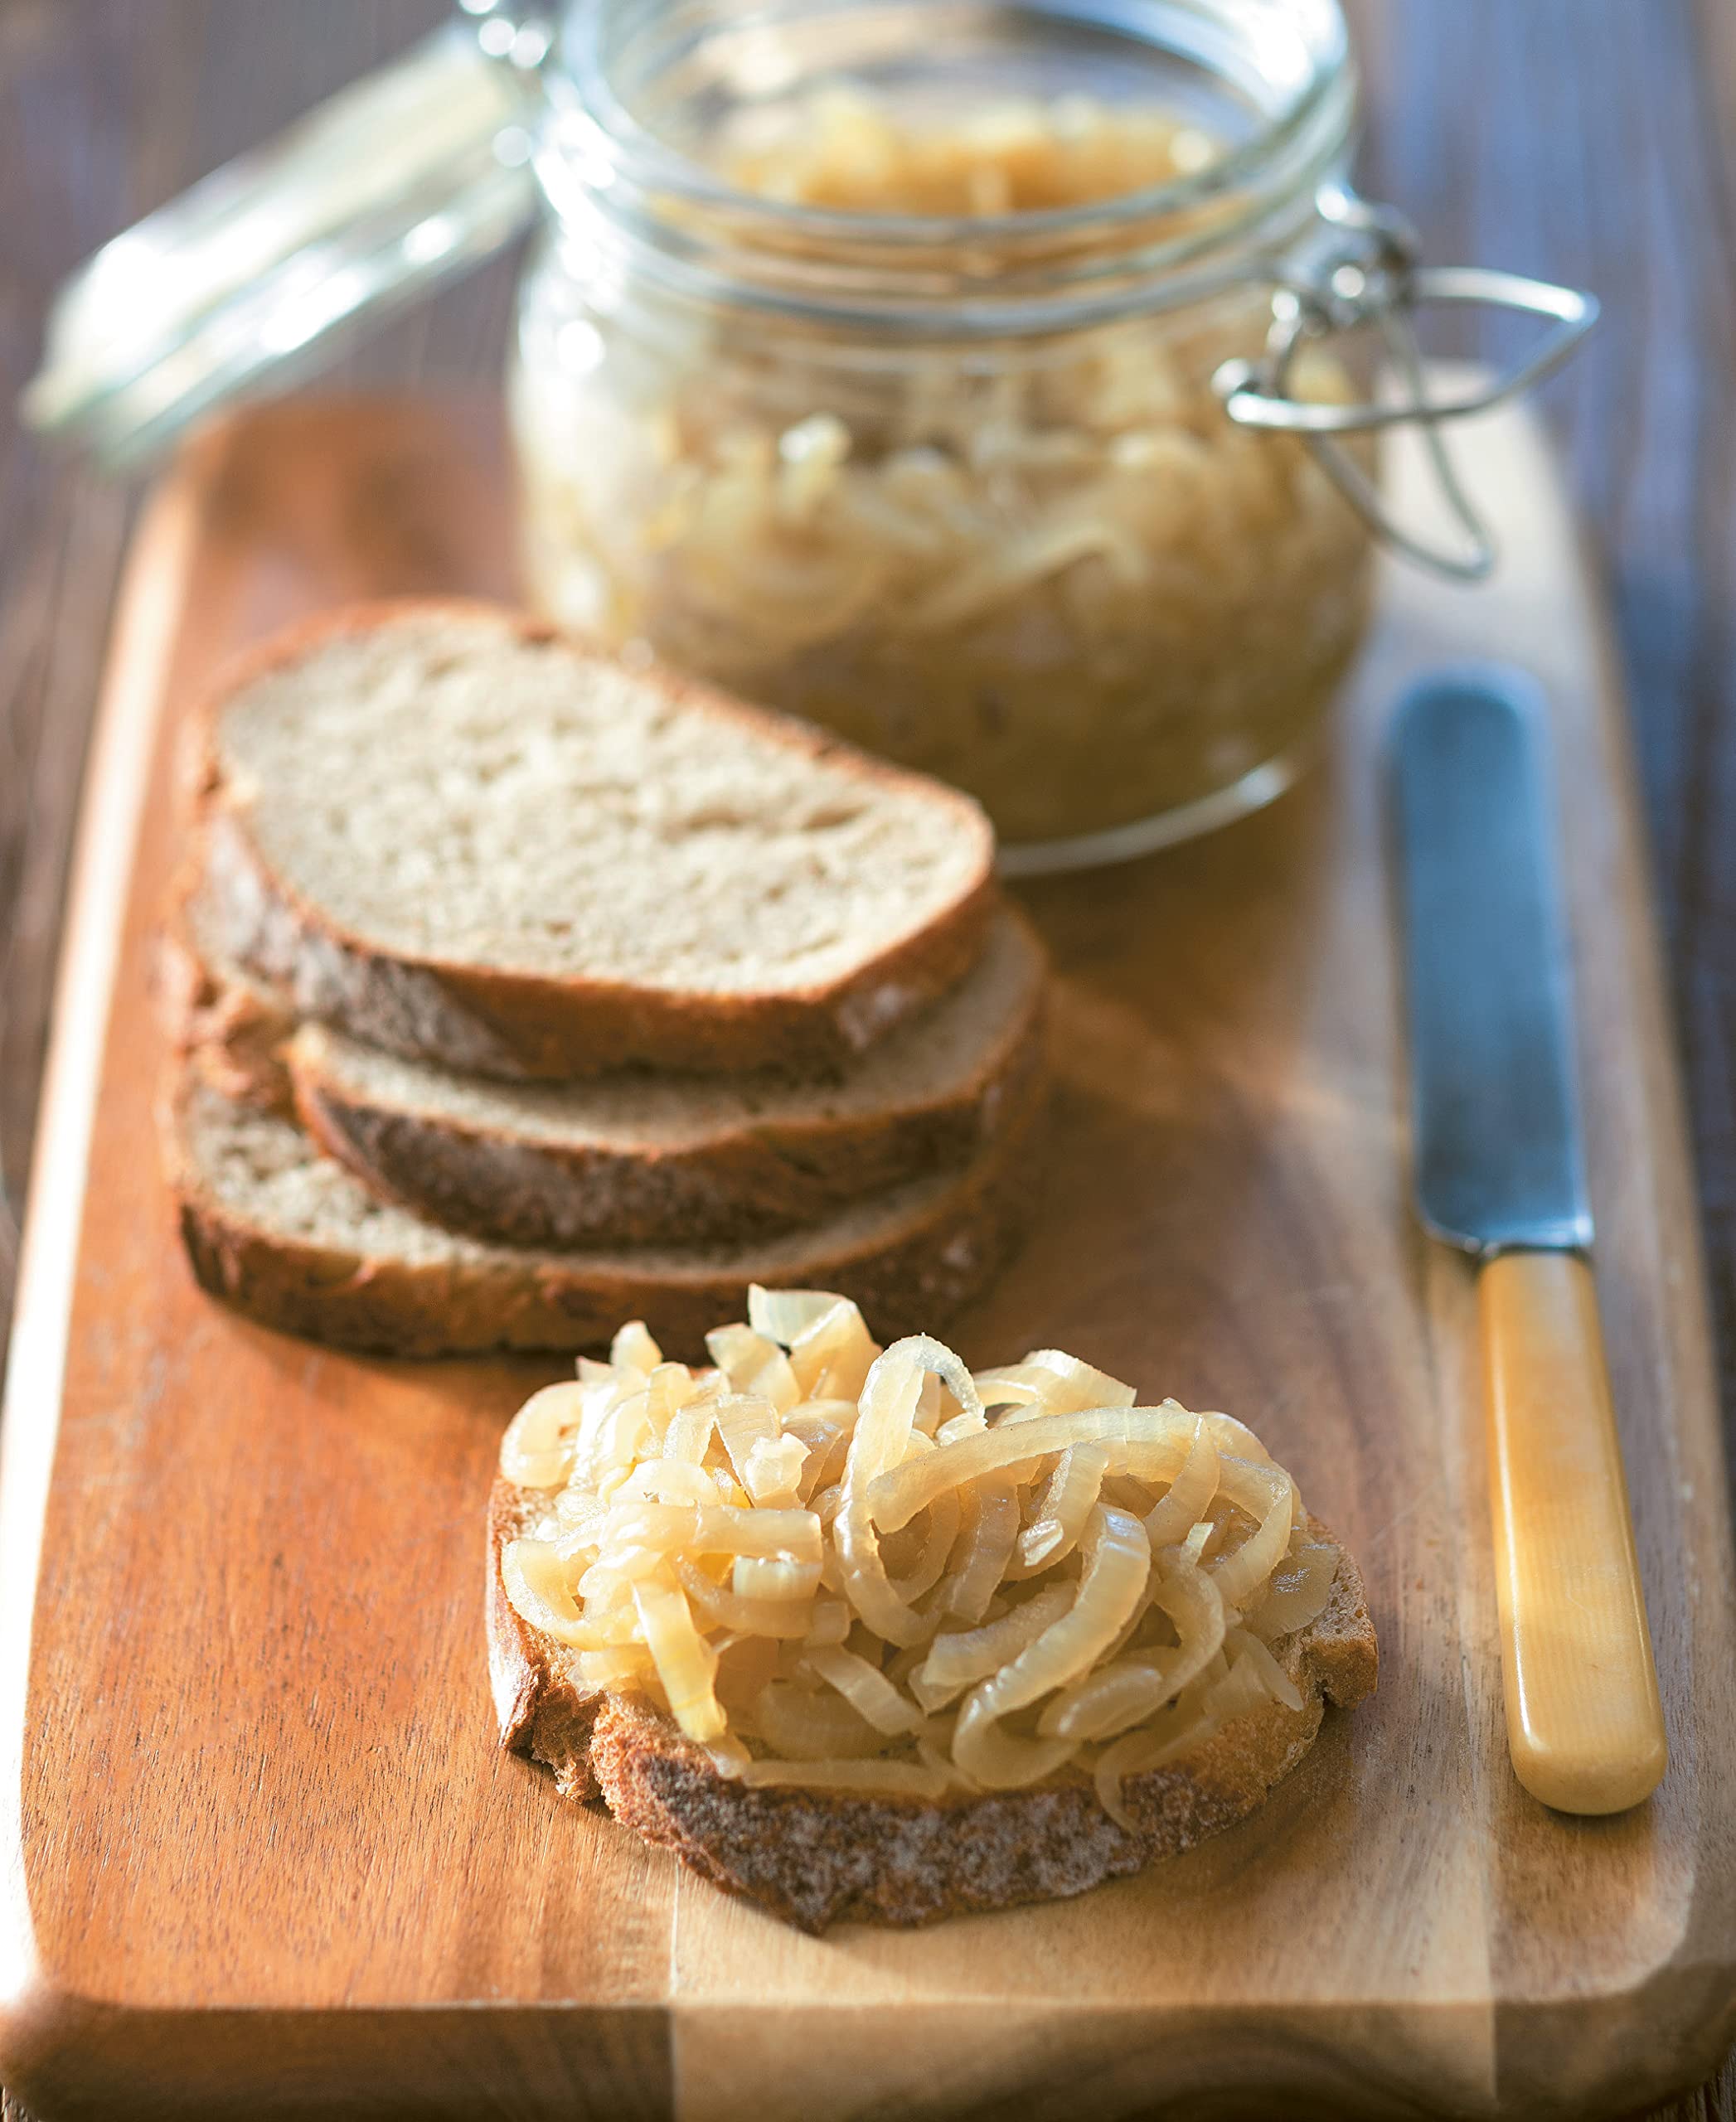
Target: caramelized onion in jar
[(1041, 562)]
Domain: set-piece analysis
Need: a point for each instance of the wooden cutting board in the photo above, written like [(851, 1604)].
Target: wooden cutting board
[(262, 1856)]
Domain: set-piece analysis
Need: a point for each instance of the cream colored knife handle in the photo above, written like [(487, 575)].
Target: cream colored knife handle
[(1584, 1724)]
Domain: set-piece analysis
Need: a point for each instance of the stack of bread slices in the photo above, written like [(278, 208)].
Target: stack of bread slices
[(518, 993)]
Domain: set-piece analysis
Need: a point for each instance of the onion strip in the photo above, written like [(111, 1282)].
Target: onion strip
[(1067, 1502), (1105, 1702), (536, 1451), (867, 1690), (868, 1779), (1149, 1443), (882, 1433), (1268, 1494), (813, 1723), (1272, 1676), (955, 1660), (945, 1514), (1299, 1592), (535, 1588), (687, 1665), (1117, 1562), (1190, 1494), (715, 1529), (731, 1610), (985, 1547)]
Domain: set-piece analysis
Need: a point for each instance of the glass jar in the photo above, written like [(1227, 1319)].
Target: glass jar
[(961, 487), (1058, 489)]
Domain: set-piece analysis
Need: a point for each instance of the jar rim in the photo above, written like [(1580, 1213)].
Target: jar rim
[(620, 162)]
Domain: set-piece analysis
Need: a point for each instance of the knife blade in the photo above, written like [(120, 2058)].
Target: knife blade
[(1495, 1106), (1498, 1170)]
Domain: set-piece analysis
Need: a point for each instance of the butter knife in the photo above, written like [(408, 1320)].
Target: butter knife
[(1498, 1170)]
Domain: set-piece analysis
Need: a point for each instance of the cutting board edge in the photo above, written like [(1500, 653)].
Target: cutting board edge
[(67, 2056), (111, 808), (1708, 1945)]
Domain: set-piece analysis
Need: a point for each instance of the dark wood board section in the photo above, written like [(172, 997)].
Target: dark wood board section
[(262, 1855)]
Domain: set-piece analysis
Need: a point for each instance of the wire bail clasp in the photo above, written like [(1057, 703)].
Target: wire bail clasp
[(1361, 270)]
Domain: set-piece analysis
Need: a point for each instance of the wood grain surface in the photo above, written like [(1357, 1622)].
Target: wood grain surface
[(1591, 139), (259, 1813)]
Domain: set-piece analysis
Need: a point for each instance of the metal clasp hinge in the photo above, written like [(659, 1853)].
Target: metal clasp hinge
[(1362, 271)]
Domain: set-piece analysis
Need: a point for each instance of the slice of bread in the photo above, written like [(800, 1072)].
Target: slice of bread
[(293, 1239), (818, 1858), (630, 1158), (458, 837)]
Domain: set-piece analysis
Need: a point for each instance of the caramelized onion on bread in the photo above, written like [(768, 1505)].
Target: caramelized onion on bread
[(861, 1634)]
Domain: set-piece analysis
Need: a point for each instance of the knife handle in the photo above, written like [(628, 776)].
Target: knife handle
[(1585, 1727)]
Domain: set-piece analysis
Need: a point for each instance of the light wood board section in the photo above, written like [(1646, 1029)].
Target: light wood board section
[(260, 1854)]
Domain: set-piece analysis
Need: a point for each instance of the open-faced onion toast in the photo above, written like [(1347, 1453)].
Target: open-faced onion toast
[(862, 1636)]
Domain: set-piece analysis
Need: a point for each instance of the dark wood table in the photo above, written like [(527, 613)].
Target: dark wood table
[(1591, 141)]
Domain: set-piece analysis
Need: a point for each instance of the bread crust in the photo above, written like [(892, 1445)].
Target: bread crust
[(770, 1173), (238, 1029), (924, 1268), (524, 1026), (818, 1858)]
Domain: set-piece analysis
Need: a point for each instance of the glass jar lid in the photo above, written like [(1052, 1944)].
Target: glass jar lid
[(263, 269)]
